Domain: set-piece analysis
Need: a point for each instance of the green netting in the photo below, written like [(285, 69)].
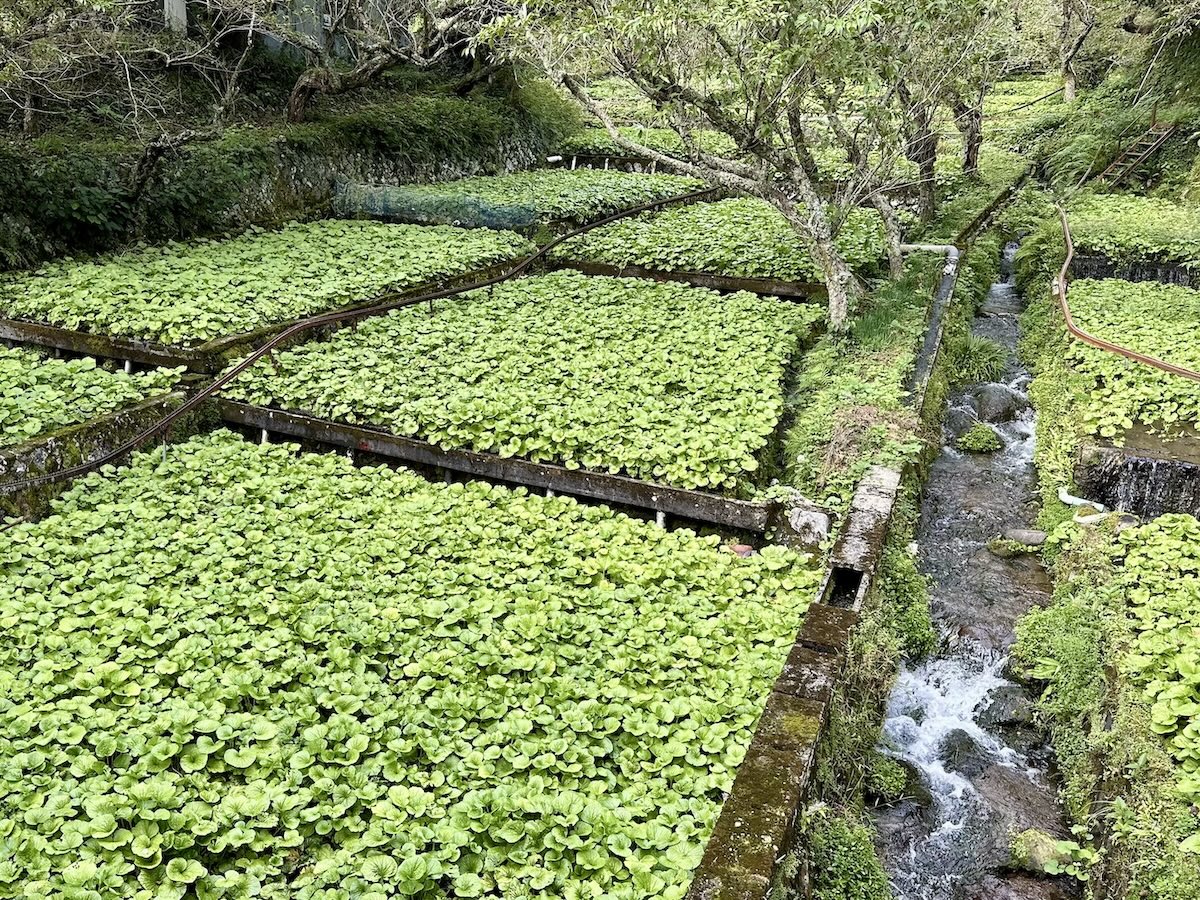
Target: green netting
[(413, 203)]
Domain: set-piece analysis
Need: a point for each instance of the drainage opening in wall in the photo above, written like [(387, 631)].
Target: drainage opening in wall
[(844, 583)]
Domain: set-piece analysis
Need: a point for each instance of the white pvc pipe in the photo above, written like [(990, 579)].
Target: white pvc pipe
[(1071, 500), (950, 251)]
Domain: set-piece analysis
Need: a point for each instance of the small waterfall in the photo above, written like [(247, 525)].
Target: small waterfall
[(1134, 481)]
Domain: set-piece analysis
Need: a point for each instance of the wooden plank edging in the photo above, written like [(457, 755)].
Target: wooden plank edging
[(742, 515), (772, 287)]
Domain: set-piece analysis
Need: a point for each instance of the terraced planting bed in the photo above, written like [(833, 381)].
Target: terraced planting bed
[(197, 303), (1155, 319), (249, 670), (734, 244), (523, 201), (595, 145), (39, 394), (1119, 650), (55, 412), (1139, 238), (658, 382)]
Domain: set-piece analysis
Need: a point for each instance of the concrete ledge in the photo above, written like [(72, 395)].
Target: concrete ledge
[(757, 823), (69, 447)]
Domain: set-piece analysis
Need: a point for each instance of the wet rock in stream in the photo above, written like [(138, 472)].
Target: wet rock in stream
[(962, 754), (998, 403), (1007, 706), (1020, 887)]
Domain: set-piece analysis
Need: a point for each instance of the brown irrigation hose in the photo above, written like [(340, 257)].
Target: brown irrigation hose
[(1060, 289), (329, 319)]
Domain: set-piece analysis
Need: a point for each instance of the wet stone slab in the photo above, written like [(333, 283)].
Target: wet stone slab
[(827, 628), (810, 674)]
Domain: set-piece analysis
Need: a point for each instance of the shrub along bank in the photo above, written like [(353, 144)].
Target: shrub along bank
[(62, 195)]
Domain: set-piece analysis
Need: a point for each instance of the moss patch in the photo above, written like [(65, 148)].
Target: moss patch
[(979, 438)]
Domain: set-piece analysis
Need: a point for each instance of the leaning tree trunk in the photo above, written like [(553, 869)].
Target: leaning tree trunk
[(812, 222), (323, 80)]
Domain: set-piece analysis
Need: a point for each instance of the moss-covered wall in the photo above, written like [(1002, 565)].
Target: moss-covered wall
[(59, 195)]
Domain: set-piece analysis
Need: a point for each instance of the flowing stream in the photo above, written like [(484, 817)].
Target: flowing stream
[(978, 770)]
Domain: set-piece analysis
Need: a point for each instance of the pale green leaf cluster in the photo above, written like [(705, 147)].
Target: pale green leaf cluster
[(538, 196), (657, 380), (597, 141), (1160, 578), (240, 671), (1156, 319), (1123, 227), (741, 237), (185, 294), (39, 394)]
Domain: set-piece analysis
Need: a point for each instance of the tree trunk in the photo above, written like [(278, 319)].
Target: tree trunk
[(323, 80), (969, 121), (1069, 83), (922, 150), (812, 222), (175, 15), (920, 146), (29, 118), (895, 236), (1068, 47)]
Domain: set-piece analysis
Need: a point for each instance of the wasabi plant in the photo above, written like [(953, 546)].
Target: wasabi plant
[(660, 381)]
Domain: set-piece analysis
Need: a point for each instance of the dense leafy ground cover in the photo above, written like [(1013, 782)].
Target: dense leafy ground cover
[(742, 237), (536, 196), (39, 395), (1160, 577), (1123, 227), (1157, 319), (1118, 651), (597, 141), (266, 674), (184, 294), (661, 381)]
